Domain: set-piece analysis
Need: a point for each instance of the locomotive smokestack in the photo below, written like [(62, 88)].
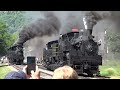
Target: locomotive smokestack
[(89, 20), (88, 25)]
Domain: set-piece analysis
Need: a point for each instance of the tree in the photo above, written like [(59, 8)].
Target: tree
[(6, 38), (15, 20), (113, 40), (3, 36)]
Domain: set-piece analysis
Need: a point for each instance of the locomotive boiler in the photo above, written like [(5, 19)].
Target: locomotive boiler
[(77, 49)]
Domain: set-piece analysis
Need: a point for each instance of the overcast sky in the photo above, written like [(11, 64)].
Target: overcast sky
[(36, 14), (33, 14)]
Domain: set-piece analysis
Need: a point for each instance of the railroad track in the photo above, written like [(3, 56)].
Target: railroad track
[(18, 67), (45, 74)]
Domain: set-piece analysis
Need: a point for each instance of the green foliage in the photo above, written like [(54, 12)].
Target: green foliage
[(113, 40), (15, 20), (11, 22), (109, 71), (110, 68), (3, 36), (7, 38), (3, 71)]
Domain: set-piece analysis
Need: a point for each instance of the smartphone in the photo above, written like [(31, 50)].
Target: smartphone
[(31, 64)]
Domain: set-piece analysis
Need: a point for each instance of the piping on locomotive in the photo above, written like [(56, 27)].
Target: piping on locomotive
[(76, 49)]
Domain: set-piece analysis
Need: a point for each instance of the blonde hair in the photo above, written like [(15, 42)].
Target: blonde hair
[(65, 72)]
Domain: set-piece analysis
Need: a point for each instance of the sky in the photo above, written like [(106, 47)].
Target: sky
[(33, 14), (36, 14)]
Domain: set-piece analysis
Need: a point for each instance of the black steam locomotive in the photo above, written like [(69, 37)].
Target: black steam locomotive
[(76, 49), (15, 54)]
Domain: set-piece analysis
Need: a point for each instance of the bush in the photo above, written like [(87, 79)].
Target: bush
[(110, 68), (111, 71), (3, 71)]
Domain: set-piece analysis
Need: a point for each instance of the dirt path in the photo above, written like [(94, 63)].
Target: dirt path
[(115, 77)]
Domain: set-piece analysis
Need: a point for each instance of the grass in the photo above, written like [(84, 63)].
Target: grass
[(3, 71), (110, 68)]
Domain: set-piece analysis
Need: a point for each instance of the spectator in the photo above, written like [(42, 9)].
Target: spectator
[(23, 74), (34, 75), (65, 72), (16, 75)]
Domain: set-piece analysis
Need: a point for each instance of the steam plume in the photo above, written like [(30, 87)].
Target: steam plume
[(90, 19), (74, 19), (48, 26)]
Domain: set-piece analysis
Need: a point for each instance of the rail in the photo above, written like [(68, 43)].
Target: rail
[(19, 68)]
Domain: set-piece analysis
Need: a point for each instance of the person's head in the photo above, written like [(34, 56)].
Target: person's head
[(16, 75), (65, 72)]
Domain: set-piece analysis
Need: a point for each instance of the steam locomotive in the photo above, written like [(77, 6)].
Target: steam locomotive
[(15, 54), (76, 49)]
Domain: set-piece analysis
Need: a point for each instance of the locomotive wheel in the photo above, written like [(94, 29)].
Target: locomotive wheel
[(98, 74), (89, 73)]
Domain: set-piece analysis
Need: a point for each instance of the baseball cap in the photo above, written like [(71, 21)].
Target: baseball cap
[(15, 75)]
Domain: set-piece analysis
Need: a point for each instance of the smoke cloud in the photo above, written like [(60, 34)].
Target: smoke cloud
[(74, 19), (48, 26), (90, 19), (37, 34), (34, 47)]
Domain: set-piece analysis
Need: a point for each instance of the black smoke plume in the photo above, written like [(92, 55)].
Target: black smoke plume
[(48, 26), (90, 19), (74, 19)]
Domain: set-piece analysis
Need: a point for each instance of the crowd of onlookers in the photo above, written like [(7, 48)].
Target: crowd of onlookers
[(65, 72)]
